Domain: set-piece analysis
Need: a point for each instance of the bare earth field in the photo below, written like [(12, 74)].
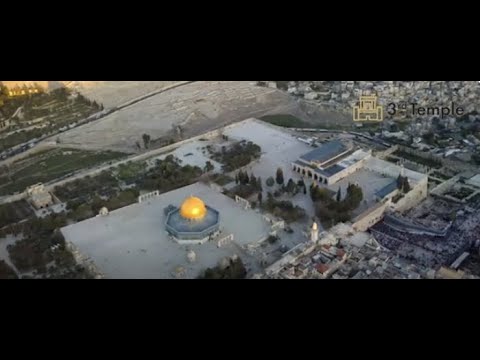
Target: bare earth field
[(109, 93), (114, 93), (198, 107)]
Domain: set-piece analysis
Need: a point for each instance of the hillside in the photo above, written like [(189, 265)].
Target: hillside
[(108, 93)]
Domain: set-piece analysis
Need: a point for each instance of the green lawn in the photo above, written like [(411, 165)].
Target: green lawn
[(130, 170), (51, 165), (222, 179), (56, 110), (286, 120), (290, 121)]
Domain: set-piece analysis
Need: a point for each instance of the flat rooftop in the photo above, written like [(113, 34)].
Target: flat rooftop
[(475, 180), (330, 171), (387, 189), (132, 243), (385, 167), (325, 152), (370, 182)]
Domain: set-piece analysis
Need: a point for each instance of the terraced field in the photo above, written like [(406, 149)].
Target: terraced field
[(50, 165)]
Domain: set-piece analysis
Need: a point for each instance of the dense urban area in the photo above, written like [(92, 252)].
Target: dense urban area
[(234, 180)]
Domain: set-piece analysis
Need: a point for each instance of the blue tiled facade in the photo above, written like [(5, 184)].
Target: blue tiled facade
[(185, 229)]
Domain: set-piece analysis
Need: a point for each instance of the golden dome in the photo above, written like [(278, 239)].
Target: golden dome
[(193, 208)]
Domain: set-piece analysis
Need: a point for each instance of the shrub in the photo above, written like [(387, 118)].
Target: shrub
[(270, 182)]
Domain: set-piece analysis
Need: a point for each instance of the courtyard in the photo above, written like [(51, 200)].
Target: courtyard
[(131, 242), (192, 153)]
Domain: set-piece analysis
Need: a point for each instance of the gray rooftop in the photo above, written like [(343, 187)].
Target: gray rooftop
[(387, 189), (330, 171), (132, 243), (325, 152)]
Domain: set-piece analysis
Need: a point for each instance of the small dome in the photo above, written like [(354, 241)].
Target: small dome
[(191, 256), (315, 226), (193, 208)]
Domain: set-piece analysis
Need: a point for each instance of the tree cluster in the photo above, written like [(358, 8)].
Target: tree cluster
[(87, 187), (169, 175), (402, 184), (61, 94), (130, 172), (242, 178), (283, 209), (221, 179), (235, 270), (247, 185), (332, 211), (238, 155), (279, 177), (3, 94), (6, 272), (84, 210), (291, 187), (59, 113), (209, 166), (146, 140), (35, 251), (319, 194), (270, 182), (11, 213)]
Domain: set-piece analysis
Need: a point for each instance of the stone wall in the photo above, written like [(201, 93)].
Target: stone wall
[(443, 187), (454, 165), (414, 197), (384, 154), (369, 217), (348, 171)]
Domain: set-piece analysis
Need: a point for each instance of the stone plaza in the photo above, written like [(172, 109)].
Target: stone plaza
[(132, 242)]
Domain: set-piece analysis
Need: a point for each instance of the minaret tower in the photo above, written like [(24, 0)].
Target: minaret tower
[(314, 233)]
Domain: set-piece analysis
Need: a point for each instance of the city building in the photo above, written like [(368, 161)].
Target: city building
[(334, 161), (330, 162), (39, 196), (43, 201)]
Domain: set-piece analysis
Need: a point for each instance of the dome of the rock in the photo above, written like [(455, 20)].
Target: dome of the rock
[(193, 223), (193, 208)]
